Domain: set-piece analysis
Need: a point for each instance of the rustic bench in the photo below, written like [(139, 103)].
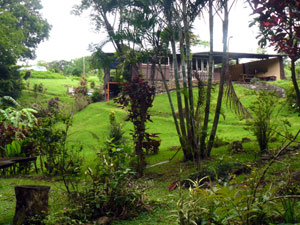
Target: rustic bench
[(7, 162)]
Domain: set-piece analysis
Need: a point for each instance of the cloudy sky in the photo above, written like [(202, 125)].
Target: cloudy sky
[(71, 35)]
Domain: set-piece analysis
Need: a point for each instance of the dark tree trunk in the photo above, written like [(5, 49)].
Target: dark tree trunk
[(294, 79), (209, 83), (32, 202), (222, 80)]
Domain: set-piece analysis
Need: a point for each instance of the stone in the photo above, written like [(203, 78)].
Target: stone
[(245, 139), (236, 147), (103, 220)]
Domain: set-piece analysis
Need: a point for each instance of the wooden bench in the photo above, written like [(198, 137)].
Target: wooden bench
[(7, 162)]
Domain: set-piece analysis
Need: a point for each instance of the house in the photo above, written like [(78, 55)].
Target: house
[(34, 68), (262, 66)]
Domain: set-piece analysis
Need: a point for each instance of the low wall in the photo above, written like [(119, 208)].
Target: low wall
[(160, 87)]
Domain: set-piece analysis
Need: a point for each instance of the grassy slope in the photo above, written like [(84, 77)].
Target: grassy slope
[(54, 88), (94, 119)]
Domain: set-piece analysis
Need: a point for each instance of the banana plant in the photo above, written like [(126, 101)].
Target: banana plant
[(17, 116), (14, 149)]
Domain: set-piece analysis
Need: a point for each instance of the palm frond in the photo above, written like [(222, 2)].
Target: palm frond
[(234, 103)]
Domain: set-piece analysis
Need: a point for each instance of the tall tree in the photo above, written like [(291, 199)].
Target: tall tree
[(279, 24), (21, 30), (193, 132), (35, 29)]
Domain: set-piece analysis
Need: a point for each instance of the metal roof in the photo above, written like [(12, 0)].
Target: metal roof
[(235, 55)]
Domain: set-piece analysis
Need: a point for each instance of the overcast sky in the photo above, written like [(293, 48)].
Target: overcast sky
[(71, 35)]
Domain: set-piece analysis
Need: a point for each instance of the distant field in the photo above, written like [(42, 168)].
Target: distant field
[(55, 86)]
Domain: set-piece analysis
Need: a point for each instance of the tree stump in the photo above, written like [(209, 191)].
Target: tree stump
[(32, 202)]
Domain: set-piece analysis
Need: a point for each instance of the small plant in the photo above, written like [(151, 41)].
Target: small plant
[(81, 102), (81, 98), (38, 89), (82, 88), (261, 124), (115, 132)]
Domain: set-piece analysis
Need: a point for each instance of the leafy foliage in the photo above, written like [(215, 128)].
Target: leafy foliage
[(109, 190)]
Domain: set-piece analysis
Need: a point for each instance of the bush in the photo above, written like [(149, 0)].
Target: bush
[(110, 190), (81, 98), (97, 96), (56, 158), (261, 124)]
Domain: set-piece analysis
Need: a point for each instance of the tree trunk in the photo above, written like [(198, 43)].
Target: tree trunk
[(178, 90), (209, 83), (32, 203), (294, 79), (189, 76), (222, 80)]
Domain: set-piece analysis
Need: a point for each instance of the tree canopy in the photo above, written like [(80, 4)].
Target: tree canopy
[(28, 23), (21, 30)]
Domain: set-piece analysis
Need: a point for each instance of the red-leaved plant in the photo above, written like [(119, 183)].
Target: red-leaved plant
[(137, 96), (279, 24)]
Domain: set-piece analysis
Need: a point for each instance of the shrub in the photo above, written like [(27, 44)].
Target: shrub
[(138, 96), (115, 132), (80, 92), (56, 157), (109, 191), (261, 124), (97, 96)]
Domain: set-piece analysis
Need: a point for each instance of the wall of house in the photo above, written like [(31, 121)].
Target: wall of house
[(264, 68), (261, 68), (235, 71), (145, 70)]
